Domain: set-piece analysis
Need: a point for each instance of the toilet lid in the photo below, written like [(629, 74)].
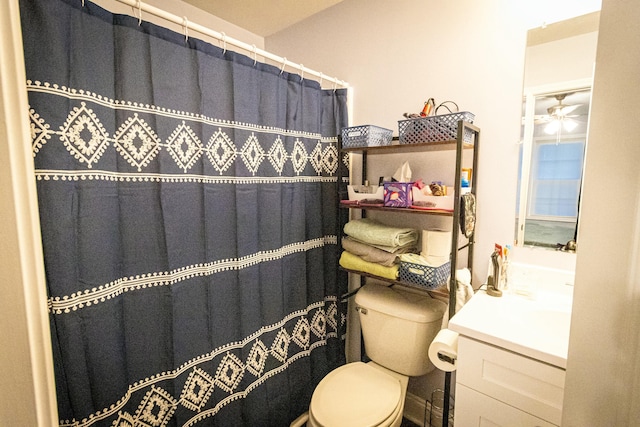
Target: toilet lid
[(355, 395)]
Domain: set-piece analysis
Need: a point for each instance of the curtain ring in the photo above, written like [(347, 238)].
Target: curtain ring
[(82, 3), (255, 55), (139, 7), (321, 77), (284, 64), (224, 43), (335, 84), (185, 26), (301, 73)]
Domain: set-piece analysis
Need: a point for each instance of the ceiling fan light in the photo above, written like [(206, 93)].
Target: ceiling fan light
[(552, 127), (569, 125)]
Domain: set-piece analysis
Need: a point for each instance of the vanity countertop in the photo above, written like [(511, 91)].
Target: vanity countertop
[(534, 327)]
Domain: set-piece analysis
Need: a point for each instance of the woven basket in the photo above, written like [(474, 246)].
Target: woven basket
[(366, 136), (424, 276), (439, 128)]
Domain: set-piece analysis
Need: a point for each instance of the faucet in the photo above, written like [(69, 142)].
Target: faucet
[(570, 246), (493, 282)]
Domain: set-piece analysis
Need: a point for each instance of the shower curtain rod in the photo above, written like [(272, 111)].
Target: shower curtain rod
[(186, 25)]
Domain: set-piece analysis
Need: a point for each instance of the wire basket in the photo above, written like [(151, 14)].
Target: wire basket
[(440, 128), (424, 275), (436, 410), (366, 136)]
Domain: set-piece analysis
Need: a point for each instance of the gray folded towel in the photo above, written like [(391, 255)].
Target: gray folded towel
[(369, 253)]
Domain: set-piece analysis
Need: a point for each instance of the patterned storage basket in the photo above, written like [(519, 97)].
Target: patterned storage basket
[(366, 136), (424, 276), (443, 127)]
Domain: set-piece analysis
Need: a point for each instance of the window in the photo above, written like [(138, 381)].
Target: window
[(555, 179)]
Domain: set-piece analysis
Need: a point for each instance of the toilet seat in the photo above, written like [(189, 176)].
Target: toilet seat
[(356, 395)]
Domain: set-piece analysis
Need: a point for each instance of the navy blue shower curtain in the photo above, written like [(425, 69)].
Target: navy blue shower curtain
[(187, 200)]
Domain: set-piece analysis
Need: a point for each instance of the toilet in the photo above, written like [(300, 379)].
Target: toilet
[(398, 325)]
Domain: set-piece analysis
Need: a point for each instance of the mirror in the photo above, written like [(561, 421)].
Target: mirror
[(558, 76)]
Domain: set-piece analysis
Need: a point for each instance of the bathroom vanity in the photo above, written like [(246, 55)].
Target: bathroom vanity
[(512, 354)]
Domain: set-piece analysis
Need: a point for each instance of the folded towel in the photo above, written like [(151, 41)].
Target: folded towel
[(371, 232), (354, 262), (396, 250), (369, 253)]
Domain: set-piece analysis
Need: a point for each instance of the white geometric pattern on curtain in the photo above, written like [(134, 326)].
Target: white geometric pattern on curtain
[(220, 150), (188, 211)]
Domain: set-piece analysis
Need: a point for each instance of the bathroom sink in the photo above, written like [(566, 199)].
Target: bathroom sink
[(546, 321), (535, 327), (547, 326)]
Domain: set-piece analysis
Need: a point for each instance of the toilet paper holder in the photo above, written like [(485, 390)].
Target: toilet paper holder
[(447, 357), (443, 351)]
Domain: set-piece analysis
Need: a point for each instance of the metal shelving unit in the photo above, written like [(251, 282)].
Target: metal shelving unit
[(459, 146)]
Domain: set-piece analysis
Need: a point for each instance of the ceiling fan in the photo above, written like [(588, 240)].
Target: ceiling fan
[(558, 116)]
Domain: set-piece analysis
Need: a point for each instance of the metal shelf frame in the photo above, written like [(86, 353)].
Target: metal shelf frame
[(459, 146)]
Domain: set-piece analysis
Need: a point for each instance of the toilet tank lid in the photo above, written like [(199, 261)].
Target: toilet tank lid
[(401, 303)]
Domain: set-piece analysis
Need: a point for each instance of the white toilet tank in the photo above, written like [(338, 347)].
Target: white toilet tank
[(398, 325)]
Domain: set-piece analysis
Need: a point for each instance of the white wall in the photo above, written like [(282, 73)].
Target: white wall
[(193, 14), (27, 393), (562, 60), (603, 368), (398, 54)]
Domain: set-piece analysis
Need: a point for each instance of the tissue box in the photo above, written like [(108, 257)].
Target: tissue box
[(433, 202), (398, 194), (358, 192)]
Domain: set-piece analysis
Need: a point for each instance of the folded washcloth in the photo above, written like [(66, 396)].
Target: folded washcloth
[(354, 262), (368, 252), (371, 232), (428, 261)]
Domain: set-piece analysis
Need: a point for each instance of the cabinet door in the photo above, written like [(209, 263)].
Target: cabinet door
[(527, 384), (476, 409)]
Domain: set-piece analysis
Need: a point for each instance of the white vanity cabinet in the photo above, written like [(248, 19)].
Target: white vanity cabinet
[(498, 387), (512, 356)]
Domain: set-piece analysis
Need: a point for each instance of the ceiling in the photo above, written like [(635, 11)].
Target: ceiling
[(563, 29), (263, 17), (267, 17)]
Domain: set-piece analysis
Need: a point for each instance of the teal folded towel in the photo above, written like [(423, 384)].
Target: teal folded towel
[(371, 232)]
